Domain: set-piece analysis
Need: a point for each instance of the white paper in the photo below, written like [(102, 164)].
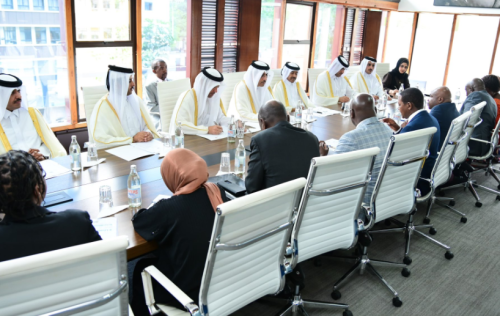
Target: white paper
[(332, 143), (222, 135), (155, 146), (128, 152), (321, 111), (88, 164), (112, 211), (393, 101), (106, 227), (53, 169)]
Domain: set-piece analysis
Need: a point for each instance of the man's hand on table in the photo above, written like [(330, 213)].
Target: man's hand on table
[(142, 137)]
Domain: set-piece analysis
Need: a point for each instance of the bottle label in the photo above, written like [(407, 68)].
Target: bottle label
[(134, 193), (298, 116), (231, 133)]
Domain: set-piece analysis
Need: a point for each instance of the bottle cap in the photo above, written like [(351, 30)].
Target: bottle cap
[(132, 167)]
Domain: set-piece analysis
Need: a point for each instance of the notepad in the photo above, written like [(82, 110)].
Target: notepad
[(112, 211), (332, 143), (53, 169), (155, 146), (128, 152), (106, 227)]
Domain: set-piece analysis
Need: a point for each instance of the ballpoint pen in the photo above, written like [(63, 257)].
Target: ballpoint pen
[(216, 123)]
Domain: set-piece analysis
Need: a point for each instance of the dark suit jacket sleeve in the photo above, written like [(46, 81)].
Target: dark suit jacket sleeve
[(92, 234), (469, 102), (254, 180), (152, 223)]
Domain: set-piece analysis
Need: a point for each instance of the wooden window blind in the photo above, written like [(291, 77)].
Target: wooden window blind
[(208, 33), (349, 26), (359, 30), (230, 51)]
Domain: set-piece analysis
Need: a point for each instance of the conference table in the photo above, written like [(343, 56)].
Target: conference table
[(83, 186)]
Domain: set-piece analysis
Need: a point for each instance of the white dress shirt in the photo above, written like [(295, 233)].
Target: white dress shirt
[(21, 132)]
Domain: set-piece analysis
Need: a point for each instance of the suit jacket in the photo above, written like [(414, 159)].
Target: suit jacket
[(279, 154), (444, 113), (420, 121), (152, 95), (483, 131), (44, 231)]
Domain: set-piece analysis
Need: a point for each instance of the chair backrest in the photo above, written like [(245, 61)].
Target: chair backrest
[(474, 120), (67, 279), (331, 202), (231, 80), (394, 191), (383, 69), (445, 162), (168, 93), (276, 78), (351, 71), (246, 255), (493, 144), (90, 97), (313, 74)]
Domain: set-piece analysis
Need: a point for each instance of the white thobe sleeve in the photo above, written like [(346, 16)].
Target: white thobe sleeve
[(241, 104), (184, 112)]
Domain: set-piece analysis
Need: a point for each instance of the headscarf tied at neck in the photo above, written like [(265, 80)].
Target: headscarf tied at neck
[(184, 172), (395, 72)]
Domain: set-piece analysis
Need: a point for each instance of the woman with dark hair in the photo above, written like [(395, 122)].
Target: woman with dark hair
[(492, 86), (392, 80), (28, 228)]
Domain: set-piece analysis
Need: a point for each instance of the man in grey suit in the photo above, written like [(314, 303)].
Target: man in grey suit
[(476, 94), (160, 70)]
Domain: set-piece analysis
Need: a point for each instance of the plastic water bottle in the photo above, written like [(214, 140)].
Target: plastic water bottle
[(401, 89), (384, 100), (298, 112), (179, 136), (240, 159), (75, 152), (458, 97), (134, 188), (231, 131)]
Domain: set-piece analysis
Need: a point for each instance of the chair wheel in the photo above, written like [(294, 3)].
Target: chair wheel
[(463, 220), (452, 203), (449, 255), (397, 302), (479, 204), (347, 313), (405, 272), (336, 294), (387, 222), (318, 263), (432, 231), (407, 260), (427, 220), (498, 198)]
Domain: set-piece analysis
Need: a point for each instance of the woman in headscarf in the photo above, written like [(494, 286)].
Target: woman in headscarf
[(392, 80), (181, 225)]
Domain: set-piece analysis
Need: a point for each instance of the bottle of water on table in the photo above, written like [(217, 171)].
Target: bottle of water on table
[(179, 136), (231, 131), (134, 188), (240, 159), (75, 152)]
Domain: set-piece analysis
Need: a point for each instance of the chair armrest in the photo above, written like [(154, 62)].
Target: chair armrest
[(179, 295), (479, 140), (369, 217), (154, 113)]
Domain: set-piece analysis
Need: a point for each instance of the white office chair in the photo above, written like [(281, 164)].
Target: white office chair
[(445, 163), (89, 279), (383, 69), (276, 78), (351, 71), (313, 74), (231, 80), (90, 97), (246, 254), (394, 194), (328, 211), (462, 151), (168, 93)]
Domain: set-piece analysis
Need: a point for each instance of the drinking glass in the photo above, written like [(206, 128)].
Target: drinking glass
[(92, 152), (166, 140), (347, 109), (225, 165), (240, 129), (309, 116), (105, 198)]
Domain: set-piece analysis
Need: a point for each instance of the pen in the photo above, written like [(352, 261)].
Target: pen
[(216, 123)]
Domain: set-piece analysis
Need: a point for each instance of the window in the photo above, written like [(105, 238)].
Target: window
[(381, 37), (9, 35), (41, 65), (25, 35), (269, 40), (41, 35), (7, 4), (95, 5), (429, 65), (230, 52), (106, 4), (358, 33), (398, 37), (328, 36), (164, 37), (148, 6), (53, 5), (23, 4), (38, 5), (349, 28), (55, 35), (472, 49), (208, 32)]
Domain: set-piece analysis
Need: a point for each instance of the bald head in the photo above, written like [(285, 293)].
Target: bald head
[(474, 85), (439, 96), (271, 113), (362, 107)]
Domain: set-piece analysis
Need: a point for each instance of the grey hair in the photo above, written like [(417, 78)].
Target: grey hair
[(155, 63)]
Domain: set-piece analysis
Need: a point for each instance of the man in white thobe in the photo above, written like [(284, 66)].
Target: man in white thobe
[(200, 110), (251, 93), (120, 117), (288, 90), (332, 86), (23, 127), (367, 80)]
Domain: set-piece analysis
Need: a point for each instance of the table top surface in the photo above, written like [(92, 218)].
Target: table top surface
[(83, 186)]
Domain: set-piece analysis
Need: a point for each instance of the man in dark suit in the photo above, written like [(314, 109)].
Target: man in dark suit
[(476, 94), (411, 106), (280, 152), (443, 110)]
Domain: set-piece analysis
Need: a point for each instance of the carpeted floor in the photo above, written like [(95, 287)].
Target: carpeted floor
[(466, 285)]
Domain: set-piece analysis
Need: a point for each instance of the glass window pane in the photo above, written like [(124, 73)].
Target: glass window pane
[(23, 4), (294, 30), (472, 50), (327, 37), (53, 5), (429, 65), (92, 67), (42, 66), (55, 35), (38, 5), (164, 37), (382, 35), (398, 37), (269, 40), (7, 4), (93, 21), (299, 54)]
